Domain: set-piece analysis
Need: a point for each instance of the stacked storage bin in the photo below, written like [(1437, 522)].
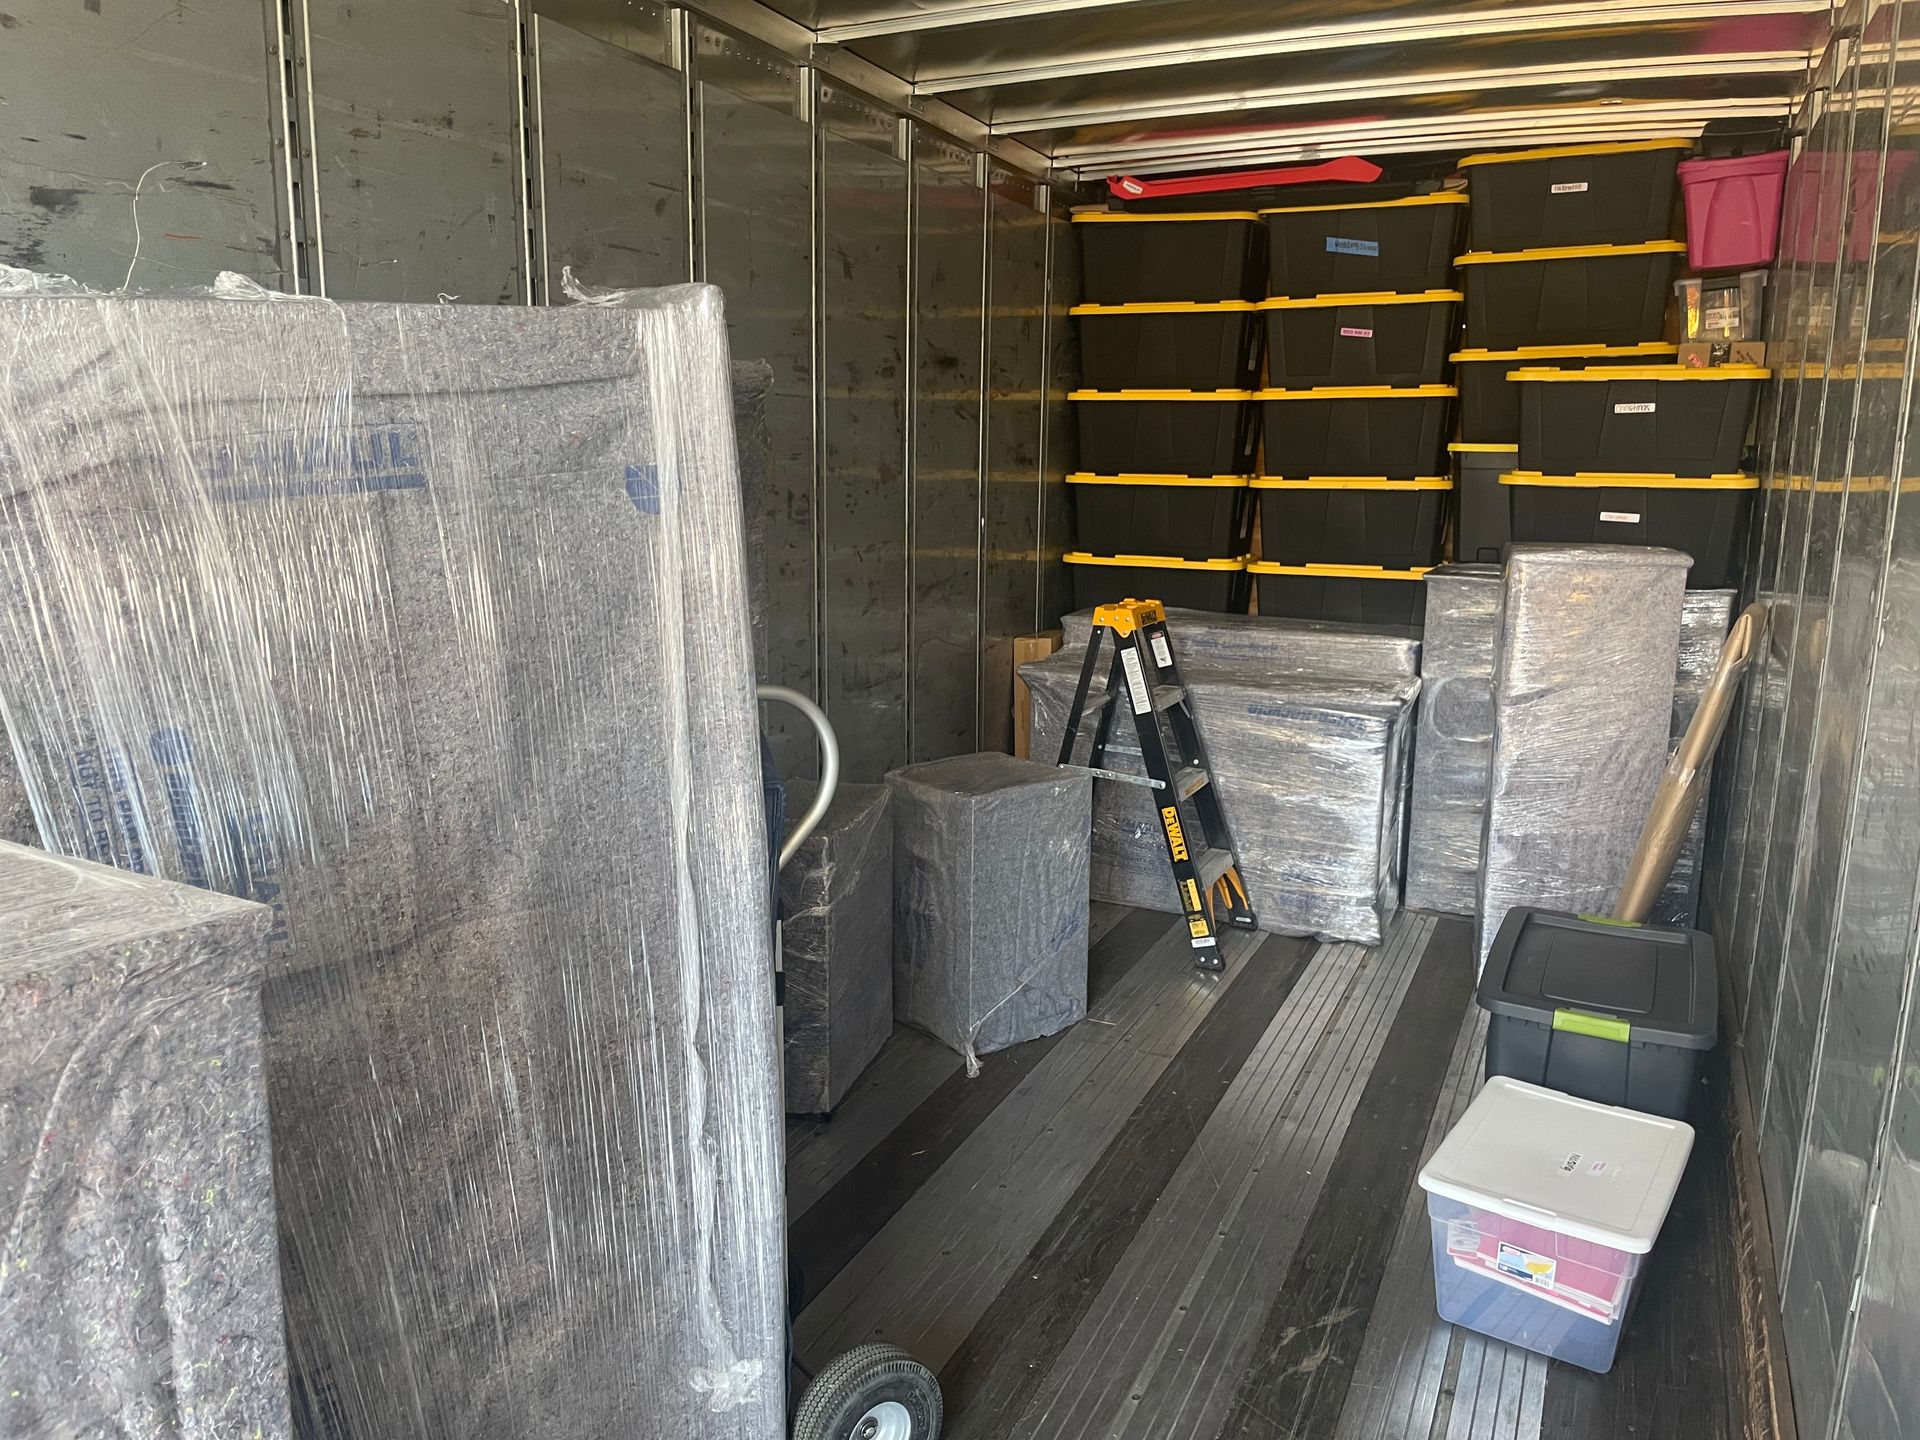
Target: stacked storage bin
[(1571, 426), (1170, 352), (1359, 321)]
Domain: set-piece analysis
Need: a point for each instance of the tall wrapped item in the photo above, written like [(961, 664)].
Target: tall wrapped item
[(1583, 705), (139, 1273), (1455, 738), (836, 907), (990, 900), (427, 628)]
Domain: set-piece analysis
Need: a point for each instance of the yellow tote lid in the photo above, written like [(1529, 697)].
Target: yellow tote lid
[(1164, 307), (1350, 482), (1569, 252), (1214, 482), (1337, 572), (1362, 297), (1620, 480), (1644, 372), (1480, 447), (1565, 352), (1438, 197), (1127, 217), (1558, 152), (1361, 392), (1160, 395), (1153, 562)]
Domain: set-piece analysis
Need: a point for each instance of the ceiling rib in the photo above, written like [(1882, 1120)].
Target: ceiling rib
[(954, 16), (795, 41), (1033, 118), (1310, 39), (1540, 125)]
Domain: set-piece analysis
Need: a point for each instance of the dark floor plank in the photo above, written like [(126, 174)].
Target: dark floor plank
[(992, 1376), (1680, 1350), (835, 1228), (1299, 1373)]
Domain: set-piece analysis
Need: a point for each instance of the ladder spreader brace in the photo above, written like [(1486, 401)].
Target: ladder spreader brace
[(1212, 895)]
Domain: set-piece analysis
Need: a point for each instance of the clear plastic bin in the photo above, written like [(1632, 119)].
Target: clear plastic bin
[(1543, 1210)]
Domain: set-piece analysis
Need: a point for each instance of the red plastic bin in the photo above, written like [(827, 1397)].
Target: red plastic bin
[(1733, 209)]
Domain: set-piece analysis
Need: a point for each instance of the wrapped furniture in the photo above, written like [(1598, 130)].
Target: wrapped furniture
[(1311, 769), (1276, 644), (1583, 685), (990, 900), (426, 627), (1455, 738), (141, 1295), (836, 906)]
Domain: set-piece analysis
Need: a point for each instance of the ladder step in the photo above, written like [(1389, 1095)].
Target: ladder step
[(1212, 864), (1190, 780), (1165, 697), (1125, 779)]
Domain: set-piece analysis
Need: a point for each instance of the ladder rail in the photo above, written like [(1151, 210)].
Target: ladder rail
[(1173, 756)]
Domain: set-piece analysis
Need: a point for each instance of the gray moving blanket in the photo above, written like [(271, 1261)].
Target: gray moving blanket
[(426, 626)]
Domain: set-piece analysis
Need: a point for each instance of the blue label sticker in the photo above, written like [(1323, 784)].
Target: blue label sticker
[(643, 488), (330, 460), (1337, 246)]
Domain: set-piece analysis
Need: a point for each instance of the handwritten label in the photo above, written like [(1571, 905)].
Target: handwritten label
[(1569, 187), (1357, 332), (1621, 517), (1634, 407), (1337, 246)]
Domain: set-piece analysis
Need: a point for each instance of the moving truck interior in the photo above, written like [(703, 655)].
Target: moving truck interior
[(1015, 719)]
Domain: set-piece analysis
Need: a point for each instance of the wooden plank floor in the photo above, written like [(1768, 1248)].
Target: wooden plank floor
[(1194, 1216)]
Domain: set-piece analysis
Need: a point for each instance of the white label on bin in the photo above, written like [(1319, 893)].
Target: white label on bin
[(1463, 1237), (1339, 245), (1357, 332), (1525, 1265), (1621, 517), (1136, 682), (1162, 652), (1634, 407), (1569, 187)]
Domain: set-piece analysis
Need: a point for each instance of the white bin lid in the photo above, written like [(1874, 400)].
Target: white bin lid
[(1594, 1172)]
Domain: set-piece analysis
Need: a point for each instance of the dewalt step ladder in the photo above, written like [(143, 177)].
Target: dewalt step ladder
[(1212, 894)]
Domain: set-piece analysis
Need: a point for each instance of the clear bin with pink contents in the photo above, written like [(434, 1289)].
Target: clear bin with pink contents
[(1544, 1211), (1733, 209)]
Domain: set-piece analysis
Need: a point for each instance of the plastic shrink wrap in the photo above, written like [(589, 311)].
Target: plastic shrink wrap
[(1583, 707), (1311, 769), (426, 626), (1455, 738), (836, 907), (139, 1274), (1275, 645), (990, 900)]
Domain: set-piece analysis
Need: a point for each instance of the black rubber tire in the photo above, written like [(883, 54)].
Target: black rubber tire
[(855, 1382)]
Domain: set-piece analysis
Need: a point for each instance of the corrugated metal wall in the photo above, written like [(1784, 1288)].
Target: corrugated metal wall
[(1814, 889), (896, 281)]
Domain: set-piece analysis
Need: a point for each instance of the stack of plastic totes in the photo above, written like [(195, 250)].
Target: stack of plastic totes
[(1171, 350), (1353, 494)]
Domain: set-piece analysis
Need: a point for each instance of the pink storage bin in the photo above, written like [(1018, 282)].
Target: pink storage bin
[(1811, 237), (1733, 209)]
